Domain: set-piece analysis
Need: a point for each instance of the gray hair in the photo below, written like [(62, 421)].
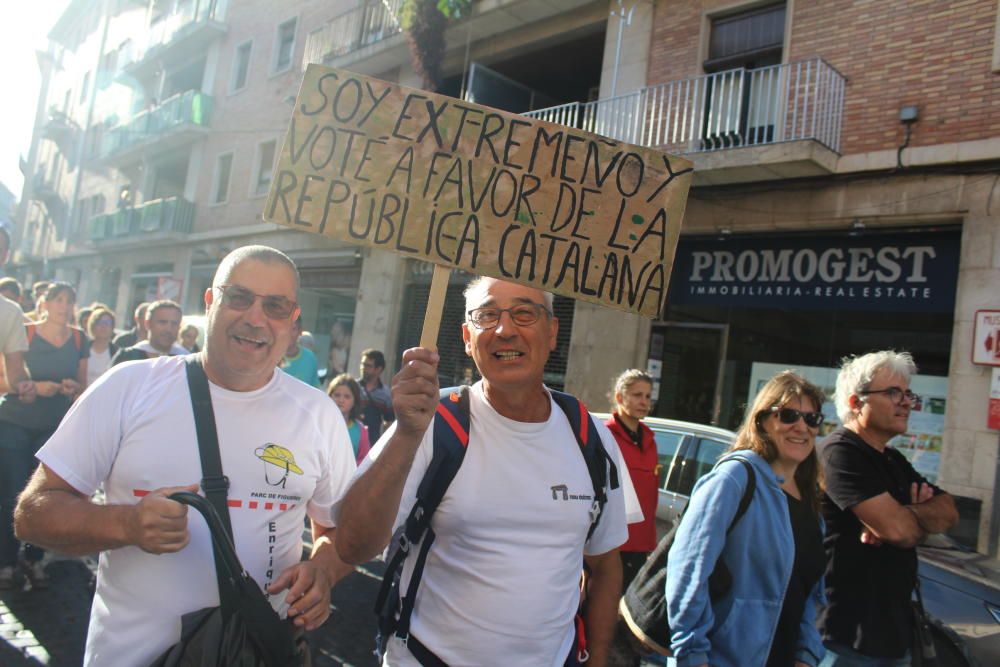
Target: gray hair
[(856, 375), (259, 253), (476, 290)]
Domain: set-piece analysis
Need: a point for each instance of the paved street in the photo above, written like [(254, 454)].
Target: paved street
[(49, 627)]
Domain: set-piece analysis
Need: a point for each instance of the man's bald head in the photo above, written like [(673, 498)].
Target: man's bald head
[(257, 253)]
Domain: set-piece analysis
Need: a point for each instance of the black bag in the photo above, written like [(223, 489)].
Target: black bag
[(644, 605), (244, 630)]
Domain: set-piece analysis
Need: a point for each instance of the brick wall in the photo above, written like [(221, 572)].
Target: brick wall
[(931, 53)]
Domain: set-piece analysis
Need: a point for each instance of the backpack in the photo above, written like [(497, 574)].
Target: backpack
[(451, 438), (644, 605)]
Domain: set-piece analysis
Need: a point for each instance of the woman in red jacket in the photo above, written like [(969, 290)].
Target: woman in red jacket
[(632, 400)]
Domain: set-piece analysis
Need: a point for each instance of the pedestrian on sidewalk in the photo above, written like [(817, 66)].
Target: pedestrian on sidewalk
[(517, 523), (162, 324), (101, 327), (346, 393), (283, 448), (877, 509), (772, 554), (57, 361)]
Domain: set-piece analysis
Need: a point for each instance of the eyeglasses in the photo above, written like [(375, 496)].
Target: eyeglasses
[(524, 315), (895, 394), (791, 415), (275, 306)]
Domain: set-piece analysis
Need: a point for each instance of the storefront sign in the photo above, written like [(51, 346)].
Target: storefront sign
[(986, 338), (902, 272), (470, 187), (993, 419)]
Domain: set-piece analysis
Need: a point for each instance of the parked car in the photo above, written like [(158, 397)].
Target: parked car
[(960, 587)]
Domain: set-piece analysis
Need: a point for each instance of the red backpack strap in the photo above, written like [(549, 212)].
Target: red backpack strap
[(29, 330)]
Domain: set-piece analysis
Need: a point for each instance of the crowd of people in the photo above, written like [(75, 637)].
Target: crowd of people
[(492, 500)]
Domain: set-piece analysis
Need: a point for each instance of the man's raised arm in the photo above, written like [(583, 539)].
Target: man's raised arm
[(54, 515), (369, 508)]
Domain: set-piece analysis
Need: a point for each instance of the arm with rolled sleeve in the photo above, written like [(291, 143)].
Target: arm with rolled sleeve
[(697, 547)]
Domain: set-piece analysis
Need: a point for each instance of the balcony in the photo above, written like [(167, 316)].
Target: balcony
[(154, 219), (62, 130), (353, 30), (775, 122), (181, 119), (174, 37)]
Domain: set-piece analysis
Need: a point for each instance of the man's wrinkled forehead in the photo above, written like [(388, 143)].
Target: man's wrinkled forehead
[(494, 290)]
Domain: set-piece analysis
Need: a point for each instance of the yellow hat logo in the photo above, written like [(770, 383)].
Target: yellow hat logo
[(279, 456)]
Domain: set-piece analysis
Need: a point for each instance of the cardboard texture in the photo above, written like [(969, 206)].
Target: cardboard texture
[(470, 187)]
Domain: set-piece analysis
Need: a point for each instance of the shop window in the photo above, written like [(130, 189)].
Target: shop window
[(284, 46)]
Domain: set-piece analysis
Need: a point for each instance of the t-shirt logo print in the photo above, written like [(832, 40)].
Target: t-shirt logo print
[(277, 460), (561, 492)]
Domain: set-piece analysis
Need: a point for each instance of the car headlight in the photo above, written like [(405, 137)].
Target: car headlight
[(994, 611)]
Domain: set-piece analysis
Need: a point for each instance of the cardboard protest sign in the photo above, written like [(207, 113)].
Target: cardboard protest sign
[(467, 186)]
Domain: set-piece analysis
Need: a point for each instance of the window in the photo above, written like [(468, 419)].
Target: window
[(284, 46), (220, 184), (667, 444), (265, 167), (241, 67), (695, 467), (743, 47)]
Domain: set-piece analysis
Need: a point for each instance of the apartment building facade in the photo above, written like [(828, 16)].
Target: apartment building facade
[(845, 196)]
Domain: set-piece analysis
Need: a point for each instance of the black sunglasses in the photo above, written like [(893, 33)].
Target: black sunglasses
[(791, 415)]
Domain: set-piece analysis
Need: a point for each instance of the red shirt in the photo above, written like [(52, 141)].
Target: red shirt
[(641, 462)]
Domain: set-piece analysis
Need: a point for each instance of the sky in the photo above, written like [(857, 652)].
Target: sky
[(21, 34)]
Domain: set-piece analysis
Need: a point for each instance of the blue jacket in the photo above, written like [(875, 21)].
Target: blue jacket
[(737, 630)]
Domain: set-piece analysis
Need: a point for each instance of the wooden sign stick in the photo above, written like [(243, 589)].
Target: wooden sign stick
[(435, 307)]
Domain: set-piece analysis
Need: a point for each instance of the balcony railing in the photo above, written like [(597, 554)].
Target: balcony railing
[(353, 30), (189, 108), (168, 27), (173, 214), (795, 101)]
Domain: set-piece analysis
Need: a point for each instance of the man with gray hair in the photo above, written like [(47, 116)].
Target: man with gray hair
[(500, 584), (877, 509), (284, 450)]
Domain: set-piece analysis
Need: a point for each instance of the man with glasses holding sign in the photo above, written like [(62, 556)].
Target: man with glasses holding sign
[(284, 449), (877, 509), (500, 584)]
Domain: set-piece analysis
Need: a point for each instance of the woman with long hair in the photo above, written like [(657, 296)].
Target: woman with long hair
[(632, 399), (773, 554), (57, 361), (346, 393)]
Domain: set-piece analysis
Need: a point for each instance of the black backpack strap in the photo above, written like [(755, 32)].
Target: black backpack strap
[(213, 482), (599, 464), (451, 438), (748, 491)]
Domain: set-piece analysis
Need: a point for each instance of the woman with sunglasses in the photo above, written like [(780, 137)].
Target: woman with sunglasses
[(773, 553), (57, 360)]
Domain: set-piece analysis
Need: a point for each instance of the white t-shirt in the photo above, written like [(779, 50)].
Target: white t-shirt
[(97, 363), (501, 582), (284, 448), (12, 336)]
